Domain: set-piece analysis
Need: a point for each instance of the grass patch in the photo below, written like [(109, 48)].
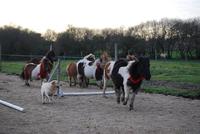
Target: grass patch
[(12, 67), (193, 94), (177, 71)]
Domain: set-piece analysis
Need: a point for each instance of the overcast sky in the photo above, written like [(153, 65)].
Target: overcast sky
[(40, 15)]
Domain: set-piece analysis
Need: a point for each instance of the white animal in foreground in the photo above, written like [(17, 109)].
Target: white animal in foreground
[(48, 90)]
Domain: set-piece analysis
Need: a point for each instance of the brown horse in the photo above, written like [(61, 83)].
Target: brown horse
[(36, 71), (71, 71), (104, 58), (50, 55)]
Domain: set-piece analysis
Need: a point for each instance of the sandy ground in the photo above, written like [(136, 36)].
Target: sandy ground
[(155, 114)]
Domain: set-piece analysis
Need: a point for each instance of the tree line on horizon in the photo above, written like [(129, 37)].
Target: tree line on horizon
[(174, 37)]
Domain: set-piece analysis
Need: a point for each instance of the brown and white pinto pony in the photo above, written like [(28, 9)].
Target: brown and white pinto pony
[(71, 71), (45, 63), (128, 75), (36, 71)]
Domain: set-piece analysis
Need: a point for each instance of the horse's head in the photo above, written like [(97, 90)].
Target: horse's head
[(130, 57), (51, 56), (104, 58), (140, 69), (90, 57)]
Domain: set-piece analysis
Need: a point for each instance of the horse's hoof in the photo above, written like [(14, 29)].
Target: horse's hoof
[(105, 96), (125, 102), (118, 100), (27, 84), (122, 99), (131, 108)]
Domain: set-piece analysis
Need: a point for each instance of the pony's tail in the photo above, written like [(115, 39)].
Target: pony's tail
[(22, 75)]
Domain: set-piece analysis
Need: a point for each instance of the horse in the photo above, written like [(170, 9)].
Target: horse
[(104, 58), (50, 55), (71, 71), (108, 70), (82, 80), (36, 71), (107, 74), (128, 75), (93, 70), (163, 55)]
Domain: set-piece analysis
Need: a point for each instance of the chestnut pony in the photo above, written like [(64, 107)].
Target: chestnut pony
[(71, 71)]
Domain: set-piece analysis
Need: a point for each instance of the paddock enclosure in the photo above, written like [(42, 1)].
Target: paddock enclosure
[(155, 114)]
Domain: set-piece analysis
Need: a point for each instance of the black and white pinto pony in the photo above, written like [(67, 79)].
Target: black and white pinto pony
[(89, 68), (128, 75), (38, 68), (107, 70)]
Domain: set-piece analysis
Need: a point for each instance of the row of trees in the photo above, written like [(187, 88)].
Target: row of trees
[(171, 36)]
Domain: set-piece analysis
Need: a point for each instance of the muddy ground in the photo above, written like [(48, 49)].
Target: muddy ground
[(155, 114)]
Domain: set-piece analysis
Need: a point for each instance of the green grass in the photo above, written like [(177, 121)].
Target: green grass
[(12, 67), (194, 94), (178, 71)]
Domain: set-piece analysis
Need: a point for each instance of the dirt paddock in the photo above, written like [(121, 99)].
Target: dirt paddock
[(155, 114)]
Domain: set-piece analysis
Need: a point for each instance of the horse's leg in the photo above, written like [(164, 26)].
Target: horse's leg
[(26, 83), (79, 80), (84, 82), (104, 86), (118, 95), (126, 90), (70, 81), (123, 95), (74, 79), (26, 77), (132, 101), (87, 81)]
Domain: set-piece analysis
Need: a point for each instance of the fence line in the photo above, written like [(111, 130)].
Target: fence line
[(18, 56)]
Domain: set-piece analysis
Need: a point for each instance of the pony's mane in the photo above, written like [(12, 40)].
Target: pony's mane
[(50, 55), (135, 67), (118, 64)]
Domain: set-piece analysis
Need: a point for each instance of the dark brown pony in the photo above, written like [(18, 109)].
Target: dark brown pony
[(71, 71), (50, 55), (37, 71)]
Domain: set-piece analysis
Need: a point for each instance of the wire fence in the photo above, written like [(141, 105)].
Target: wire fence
[(16, 57)]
